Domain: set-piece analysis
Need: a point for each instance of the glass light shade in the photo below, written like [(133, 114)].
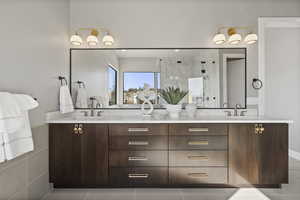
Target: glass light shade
[(235, 39), (251, 38), (76, 40), (92, 40), (219, 38), (108, 40)]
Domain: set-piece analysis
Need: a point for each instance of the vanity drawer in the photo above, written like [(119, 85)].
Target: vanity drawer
[(149, 176), (198, 142), (198, 129), (138, 129), (145, 142), (187, 176), (138, 158), (198, 158)]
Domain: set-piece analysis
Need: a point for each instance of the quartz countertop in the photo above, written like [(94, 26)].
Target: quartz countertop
[(138, 118)]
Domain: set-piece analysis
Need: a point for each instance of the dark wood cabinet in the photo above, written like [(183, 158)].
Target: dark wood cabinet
[(168, 155), (78, 155), (258, 154)]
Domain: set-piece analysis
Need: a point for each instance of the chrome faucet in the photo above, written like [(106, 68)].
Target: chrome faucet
[(237, 106), (93, 99)]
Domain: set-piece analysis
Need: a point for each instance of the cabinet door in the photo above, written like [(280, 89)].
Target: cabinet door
[(94, 145), (258, 158), (78, 160), (65, 160)]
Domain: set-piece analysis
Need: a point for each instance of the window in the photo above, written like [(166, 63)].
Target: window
[(112, 85), (134, 83)]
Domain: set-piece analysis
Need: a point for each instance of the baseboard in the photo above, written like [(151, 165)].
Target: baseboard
[(294, 154)]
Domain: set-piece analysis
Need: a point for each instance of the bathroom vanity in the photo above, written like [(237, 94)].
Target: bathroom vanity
[(130, 150), (138, 152)]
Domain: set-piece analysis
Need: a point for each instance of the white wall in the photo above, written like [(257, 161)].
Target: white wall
[(177, 23), (91, 67), (34, 42), (282, 78)]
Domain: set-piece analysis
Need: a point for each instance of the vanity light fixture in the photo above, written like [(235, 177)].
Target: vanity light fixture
[(76, 39), (234, 37), (92, 38)]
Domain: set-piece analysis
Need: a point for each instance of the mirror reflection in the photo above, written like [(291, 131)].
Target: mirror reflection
[(114, 78)]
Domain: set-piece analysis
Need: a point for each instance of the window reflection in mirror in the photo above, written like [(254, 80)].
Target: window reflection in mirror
[(112, 85), (134, 83)]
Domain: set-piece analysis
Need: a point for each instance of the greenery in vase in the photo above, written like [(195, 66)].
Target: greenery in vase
[(173, 95)]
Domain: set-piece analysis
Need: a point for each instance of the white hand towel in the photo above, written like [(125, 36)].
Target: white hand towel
[(26, 102), (82, 98), (20, 142), (66, 103), (11, 117)]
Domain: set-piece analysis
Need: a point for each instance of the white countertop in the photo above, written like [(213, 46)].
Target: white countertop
[(138, 118)]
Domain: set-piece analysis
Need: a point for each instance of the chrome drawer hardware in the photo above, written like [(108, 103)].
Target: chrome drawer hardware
[(195, 143), (137, 158), (198, 129), (138, 143), (200, 157), (198, 175), (258, 129), (138, 175), (138, 129)]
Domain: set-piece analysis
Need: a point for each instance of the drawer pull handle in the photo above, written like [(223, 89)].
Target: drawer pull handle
[(138, 175), (137, 158), (138, 129), (138, 143), (198, 129), (80, 129), (198, 157), (198, 175), (194, 143)]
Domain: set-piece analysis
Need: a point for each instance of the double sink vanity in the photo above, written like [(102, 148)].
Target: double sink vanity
[(136, 151), (123, 148)]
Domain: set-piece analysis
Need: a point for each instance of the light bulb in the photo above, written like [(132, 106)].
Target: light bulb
[(251, 38), (92, 40), (235, 38), (219, 38), (108, 40), (76, 40)]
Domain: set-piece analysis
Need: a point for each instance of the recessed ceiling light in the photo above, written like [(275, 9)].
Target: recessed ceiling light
[(124, 50), (176, 50)]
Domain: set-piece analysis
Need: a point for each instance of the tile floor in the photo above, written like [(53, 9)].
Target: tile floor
[(287, 192)]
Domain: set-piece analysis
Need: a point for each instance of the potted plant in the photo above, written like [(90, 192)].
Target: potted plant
[(173, 96)]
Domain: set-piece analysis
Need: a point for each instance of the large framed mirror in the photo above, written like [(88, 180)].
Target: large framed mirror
[(215, 78)]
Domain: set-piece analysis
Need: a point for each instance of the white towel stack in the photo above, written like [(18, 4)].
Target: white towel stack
[(65, 99), (82, 98), (15, 131)]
